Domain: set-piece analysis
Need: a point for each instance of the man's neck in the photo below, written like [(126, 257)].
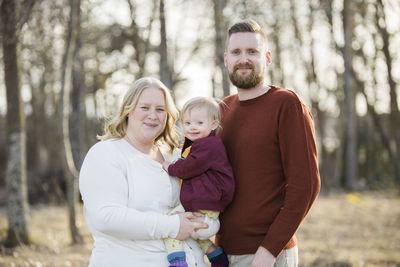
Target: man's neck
[(250, 93)]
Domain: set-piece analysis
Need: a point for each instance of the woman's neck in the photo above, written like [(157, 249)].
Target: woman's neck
[(145, 148)]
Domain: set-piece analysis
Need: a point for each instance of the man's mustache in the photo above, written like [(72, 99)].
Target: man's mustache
[(245, 65)]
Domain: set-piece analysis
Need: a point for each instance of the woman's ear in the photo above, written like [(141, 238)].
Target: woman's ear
[(214, 124)]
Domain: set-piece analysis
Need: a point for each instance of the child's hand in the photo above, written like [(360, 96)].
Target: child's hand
[(165, 165)]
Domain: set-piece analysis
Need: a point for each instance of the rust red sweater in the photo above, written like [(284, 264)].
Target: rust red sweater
[(270, 141)]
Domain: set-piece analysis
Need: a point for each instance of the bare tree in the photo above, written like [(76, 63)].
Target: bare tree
[(349, 100), (309, 66), (78, 110), (220, 30), (166, 73), (335, 172), (70, 170), (140, 41), (277, 75), (394, 107), (16, 173)]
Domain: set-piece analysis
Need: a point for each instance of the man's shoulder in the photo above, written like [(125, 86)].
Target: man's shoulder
[(285, 95), (228, 100)]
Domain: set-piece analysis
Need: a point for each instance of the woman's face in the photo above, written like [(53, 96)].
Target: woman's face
[(148, 119)]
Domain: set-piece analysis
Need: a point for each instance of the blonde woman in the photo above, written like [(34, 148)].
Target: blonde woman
[(126, 193)]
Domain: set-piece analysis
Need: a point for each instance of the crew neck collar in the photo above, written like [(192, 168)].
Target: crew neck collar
[(257, 98)]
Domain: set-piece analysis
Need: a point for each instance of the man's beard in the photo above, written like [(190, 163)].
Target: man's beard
[(245, 82)]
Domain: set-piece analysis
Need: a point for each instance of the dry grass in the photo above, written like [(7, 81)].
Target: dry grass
[(341, 230), (352, 230), (51, 237)]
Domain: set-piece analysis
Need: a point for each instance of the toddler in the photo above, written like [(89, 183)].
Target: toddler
[(207, 183)]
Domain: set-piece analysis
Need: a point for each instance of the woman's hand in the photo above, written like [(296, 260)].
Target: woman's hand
[(198, 217), (187, 227)]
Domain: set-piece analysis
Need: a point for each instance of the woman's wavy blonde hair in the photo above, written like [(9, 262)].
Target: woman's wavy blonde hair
[(116, 126)]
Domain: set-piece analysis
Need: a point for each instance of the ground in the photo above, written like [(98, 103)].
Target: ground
[(341, 230)]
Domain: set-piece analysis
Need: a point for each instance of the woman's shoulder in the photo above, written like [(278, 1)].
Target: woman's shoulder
[(105, 145), (106, 149)]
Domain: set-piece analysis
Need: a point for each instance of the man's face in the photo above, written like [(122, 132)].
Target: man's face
[(246, 59)]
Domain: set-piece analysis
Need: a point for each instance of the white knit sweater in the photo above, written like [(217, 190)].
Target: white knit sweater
[(127, 197)]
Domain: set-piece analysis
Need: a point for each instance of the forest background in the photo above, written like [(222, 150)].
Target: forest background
[(66, 64)]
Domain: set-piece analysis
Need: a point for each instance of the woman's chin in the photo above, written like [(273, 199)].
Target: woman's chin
[(150, 136)]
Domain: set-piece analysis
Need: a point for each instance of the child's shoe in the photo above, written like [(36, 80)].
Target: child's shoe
[(218, 258), (177, 259)]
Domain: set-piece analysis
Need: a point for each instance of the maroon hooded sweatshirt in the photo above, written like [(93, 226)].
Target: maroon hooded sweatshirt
[(207, 176)]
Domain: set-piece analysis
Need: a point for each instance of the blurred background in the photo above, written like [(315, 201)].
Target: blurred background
[(65, 64)]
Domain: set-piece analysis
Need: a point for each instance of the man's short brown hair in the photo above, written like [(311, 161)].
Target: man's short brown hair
[(247, 25)]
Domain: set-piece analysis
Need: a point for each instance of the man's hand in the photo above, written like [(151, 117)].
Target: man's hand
[(263, 258)]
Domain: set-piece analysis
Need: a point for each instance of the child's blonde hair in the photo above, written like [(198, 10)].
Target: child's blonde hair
[(209, 103)]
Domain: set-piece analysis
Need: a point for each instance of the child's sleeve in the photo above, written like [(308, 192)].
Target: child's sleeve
[(196, 163)]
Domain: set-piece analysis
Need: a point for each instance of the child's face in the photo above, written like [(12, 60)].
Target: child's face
[(197, 123)]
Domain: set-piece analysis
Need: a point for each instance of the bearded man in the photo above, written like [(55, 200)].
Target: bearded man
[(270, 139)]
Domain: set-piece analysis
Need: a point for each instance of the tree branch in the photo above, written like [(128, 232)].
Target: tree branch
[(24, 13)]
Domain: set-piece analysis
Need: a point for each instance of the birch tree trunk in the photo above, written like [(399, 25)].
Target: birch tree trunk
[(70, 170), (349, 100), (337, 161), (220, 33), (16, 172), (78, 108), (165, 69)]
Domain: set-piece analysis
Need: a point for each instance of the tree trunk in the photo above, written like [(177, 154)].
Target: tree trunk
[(394, 107), (349, 99), (78, 108), (383, 136), (277, 75), (16, 172), (220, 45), (70, 170), (165, 69), (141, 44)]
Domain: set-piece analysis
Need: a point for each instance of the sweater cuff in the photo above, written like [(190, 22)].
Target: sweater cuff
[(174, 224)]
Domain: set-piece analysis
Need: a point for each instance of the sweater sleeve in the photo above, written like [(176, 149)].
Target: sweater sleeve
[(103, 186), (196, 163), (300, 166)]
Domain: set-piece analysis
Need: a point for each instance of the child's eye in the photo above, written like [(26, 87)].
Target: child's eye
[(160, 109), (200, 123), (187, 123), (144, 108)]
